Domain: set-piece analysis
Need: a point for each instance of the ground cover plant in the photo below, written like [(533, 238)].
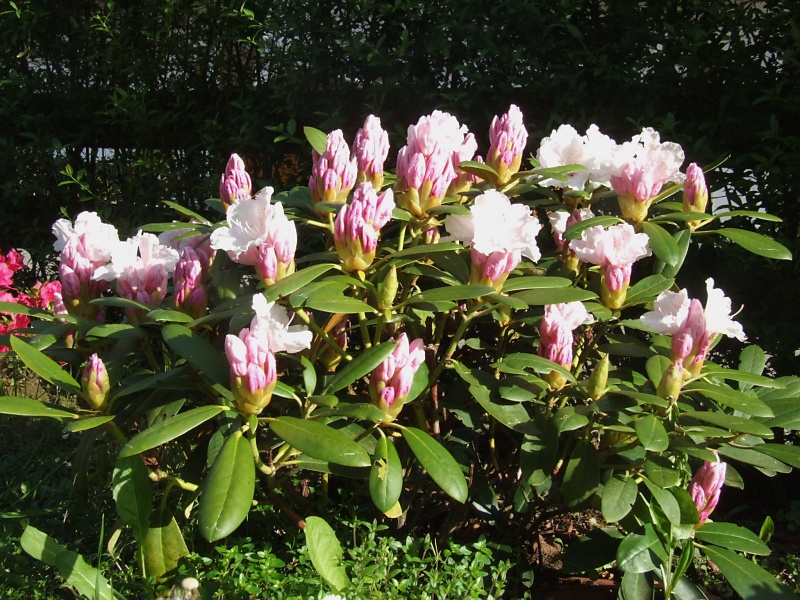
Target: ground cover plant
[(468, 341)]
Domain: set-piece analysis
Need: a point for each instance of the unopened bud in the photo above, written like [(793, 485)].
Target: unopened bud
[(388, 290), (94, 383), (671, 383), (598, 379)]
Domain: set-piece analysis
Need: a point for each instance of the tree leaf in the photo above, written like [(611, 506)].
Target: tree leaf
[(582, 475), (198, 351), (668, 503), (731, 422), (439, 463), (360, 366), (749, 580), (84, 424), (227, 492), (337, 303), (750, 405), (163, 545), (326, 553), (752, 359), (759, 460), (130, 486), (28, 407), (651, 433), (529, 282), (318, 139), (683, 238), (647, 289), (783, 452), (320, 441), (756, 243), (452, 292), (633, 555), (295, 281), (732, 537), (662, 243), (44, 366), (554, 295), (170, 429), (619, 494), (573, 232), (385, 475)]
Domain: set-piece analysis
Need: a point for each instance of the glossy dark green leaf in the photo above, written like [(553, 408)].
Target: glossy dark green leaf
[(749, 580), (439, 463), (746, 380), (731, 422), (326, 553), (661, 471), (227, 492), (757, 243), (760, 460), (537, 364), (666, 501), (732, 537), (425, 250), (554, 295), (44, 366), (531, 282), (28, 407), (295, 281), (170, 429), (197, 350), (478, 169), (633, 555), (574, 232), (647, 289), (320, 441), (683, 238), (360, 366), (337, 303), (451, 292), (168, 316), (746, 403), (84, 424), (582, 475), (651, 433), (619, 494), (385, 475), (662, 243), (782, 452)]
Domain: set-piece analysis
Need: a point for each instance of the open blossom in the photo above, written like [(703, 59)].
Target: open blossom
[(333, 173), (705, 487), (561, 220), (556, 328), (391, 380), (141, 267), (565, 146), (507, 140), (500, 234), (691, 326), (371, 147), (615, 250), (357, 226), (426, 164), (259, 234), (9, 264), (85, 248), (641, 168), (251, 354), (235, 183)]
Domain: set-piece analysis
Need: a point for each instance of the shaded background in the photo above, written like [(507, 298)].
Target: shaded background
[(117, 106)]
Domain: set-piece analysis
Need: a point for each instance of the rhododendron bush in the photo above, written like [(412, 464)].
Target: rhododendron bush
[(510, 336)]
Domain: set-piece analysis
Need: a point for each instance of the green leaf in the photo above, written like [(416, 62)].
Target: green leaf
[(759, 460), (582, 475), (439, 463), (756, 243), (647, 289), (749, 213), (198, 351), (574, 231), (482, 385), (668, 503), (359, 367), (651, 433), (732, 537), (163, 545), (452, 292), (662, 243), (337, 303), (71, 565), (683, 238), (44, 367), (131, 489), (186, 213), (636, 586), (425, 250), (726, 396), (731, 422), (318, 139), (633, 555), (170, 429), (326, 553), (752, 359), (84, 424), (119, 302), (28, 407), (157, 380), (296, 280), (538, 364), (320, 441), (619, 494), (745, 378), (228, 490), (169, 316), (385, 476), (529, 282), (749, 580), (661, 471), (784, 453), (478, 169), (684, 561), (556, 295)]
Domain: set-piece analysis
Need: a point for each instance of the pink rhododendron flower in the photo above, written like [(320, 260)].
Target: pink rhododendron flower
[(190, 294), (561, 220), (259, 234), (358, 225), (391, 380), (235, 183), (371, 147), (555, 331), (333, 173), (705, 487), (565, 146), (507, 140), (500, 234)]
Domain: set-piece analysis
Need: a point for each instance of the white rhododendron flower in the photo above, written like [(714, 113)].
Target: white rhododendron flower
[(98, 238), (670, 311), (283, 337), (138, 256), (718, 314), (565, 146)]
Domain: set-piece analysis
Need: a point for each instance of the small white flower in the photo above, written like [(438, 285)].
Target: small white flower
[(100, 238), (283, 337), (718, 314), (137, 255), (497, 225)]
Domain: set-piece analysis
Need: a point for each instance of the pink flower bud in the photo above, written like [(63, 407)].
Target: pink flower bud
[(357, 226), (333, 173), (95, 383), (190, 295), (371, 148), (695, 192), (252, 368), (705, 487), (507, 137), (235, 184), (493, 269), (390, 382)]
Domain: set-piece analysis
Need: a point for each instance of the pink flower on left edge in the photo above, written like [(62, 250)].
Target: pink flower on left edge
[(705, 487), (390, 382)]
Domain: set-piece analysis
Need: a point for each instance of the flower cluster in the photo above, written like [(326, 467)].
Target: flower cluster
[(358, 225), (705, 487)]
